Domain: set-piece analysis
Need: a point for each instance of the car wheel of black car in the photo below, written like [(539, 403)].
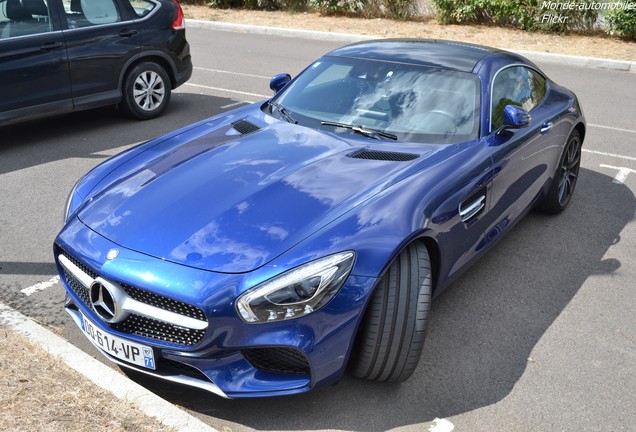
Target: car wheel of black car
[(392, 335), (146, 91), (565, 178)]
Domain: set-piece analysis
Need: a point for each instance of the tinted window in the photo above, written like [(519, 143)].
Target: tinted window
[(24, 17), (142, 7), (86, 13), (416, 103), (519, 86)]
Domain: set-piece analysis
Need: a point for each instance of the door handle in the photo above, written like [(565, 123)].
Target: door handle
[(49, 46), (546, 127), (469, 210), (127, 33)]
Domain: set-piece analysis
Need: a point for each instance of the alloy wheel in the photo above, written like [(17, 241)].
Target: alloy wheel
[(569, 170), (149, 90)]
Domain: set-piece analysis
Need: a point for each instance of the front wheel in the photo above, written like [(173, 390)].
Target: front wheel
[(146, 91), (565, 178), (393, 330)]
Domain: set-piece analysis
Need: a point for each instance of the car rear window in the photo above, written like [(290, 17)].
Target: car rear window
[(142, 7)]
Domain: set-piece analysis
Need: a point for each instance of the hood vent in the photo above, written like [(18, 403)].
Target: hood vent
[(244, 127), (383, 155)]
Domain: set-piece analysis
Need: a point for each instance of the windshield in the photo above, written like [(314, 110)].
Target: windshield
[(415, 103)]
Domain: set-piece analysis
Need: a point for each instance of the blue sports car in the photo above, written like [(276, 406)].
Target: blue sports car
[(265, 251)]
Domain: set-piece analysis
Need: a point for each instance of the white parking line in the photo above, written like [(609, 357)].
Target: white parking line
[(632, 158), (441, 425), (622, 174), (260, 96), (233, 73), (612, 128), (237, 103), (40, 286)]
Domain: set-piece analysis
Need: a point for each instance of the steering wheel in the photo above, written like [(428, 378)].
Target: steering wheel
[(451, 127)]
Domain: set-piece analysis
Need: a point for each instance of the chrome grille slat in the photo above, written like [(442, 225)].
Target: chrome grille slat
[(142, 325)]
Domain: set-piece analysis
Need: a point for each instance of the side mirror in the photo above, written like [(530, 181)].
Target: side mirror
[(279, 81), (515, 117)]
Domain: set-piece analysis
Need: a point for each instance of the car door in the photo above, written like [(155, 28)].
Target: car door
[(101, 39), (34, 71), (523, 159)]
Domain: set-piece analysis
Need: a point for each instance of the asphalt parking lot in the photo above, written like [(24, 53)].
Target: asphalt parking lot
[(539, 335)]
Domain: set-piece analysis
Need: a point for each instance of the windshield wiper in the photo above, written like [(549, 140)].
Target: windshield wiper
[(373, 133), (283, 112)]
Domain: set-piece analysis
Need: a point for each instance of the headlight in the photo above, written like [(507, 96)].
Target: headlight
[(69, 200), (297, 292)]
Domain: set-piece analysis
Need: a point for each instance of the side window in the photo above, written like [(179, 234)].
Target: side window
[(519, 86), (23, 18), (86, 13), (142, 7)]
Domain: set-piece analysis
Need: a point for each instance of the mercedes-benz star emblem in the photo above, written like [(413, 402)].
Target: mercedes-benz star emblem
[(112, 254), (107, 299)]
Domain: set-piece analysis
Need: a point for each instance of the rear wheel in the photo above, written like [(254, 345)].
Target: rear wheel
[(146, 91), (392, 333), (564, 181)]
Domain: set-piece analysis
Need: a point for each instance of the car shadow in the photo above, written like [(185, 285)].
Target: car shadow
[(482, 331), (88, 134)]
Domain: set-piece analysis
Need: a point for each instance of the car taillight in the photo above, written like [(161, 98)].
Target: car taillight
[(179, 19)]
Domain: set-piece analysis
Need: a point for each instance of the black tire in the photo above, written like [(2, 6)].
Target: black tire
[(564, 180), (392, 333), (146, 91)]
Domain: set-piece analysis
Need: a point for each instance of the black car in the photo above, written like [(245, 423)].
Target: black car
[(58, 56)]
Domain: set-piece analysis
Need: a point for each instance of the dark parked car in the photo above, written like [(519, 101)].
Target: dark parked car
[(58, 56), (263, 251)]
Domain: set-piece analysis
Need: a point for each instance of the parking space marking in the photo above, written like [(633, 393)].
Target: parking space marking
[(40, 286), (232, 73), (227, 90), (612, 128), (631, 158), (236, 103), (441, 425), (622, 174)]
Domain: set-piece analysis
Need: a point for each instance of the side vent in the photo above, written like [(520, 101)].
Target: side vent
[(244, 127), (383, 155)]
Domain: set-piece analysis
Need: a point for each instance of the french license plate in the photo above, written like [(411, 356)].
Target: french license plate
[(130, 352)]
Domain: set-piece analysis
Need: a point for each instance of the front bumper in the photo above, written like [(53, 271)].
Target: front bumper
[(231, 358)]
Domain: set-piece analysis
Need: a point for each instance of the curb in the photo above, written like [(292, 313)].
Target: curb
[(105, 377), (564, 59)]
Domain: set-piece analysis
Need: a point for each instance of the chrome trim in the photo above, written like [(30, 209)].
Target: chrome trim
[(51, 33), (472, 209), (84, 279), (130, 305), (181, 379), (492, 88)]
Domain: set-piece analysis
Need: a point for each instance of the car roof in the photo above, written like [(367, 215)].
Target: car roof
[(427, 52)]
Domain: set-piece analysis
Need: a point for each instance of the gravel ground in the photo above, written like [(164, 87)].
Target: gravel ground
[(40, 393)]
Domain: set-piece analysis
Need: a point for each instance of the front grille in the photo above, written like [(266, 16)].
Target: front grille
[(181, 368), (82, 267), (162, 302), (77, 287), (159, 330), (280, 360), (383, 155), (140, 325)]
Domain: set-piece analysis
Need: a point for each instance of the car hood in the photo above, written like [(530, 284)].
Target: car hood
[(231, 202)]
